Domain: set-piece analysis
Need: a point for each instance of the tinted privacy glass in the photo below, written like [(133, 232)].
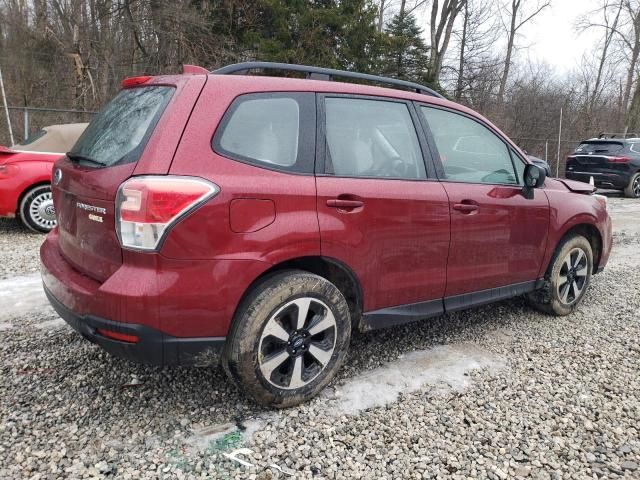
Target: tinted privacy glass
[(263, 130), (604, 148), (120, 131), (469, 151), (371, 138)]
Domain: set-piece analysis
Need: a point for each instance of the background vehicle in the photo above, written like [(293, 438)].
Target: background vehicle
[(541, 163), (264, 219), (614, 163), (25, 175)]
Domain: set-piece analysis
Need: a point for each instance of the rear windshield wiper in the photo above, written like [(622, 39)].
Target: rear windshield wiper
[(77, 157)]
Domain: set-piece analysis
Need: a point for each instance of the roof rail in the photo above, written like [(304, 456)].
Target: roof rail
[(622, 136), (319, 73)]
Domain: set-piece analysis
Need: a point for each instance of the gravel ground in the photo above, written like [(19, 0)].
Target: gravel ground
[(496, 392), (19, 249)]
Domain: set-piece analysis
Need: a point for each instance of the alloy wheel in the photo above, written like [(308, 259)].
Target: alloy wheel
[(297, 343), (635, 188), (572, 277), (42, 212)]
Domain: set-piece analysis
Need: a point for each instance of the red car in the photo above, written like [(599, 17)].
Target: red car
[(261, 220), (25, 175)]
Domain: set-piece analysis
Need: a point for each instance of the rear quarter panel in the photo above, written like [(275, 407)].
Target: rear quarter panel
[(283, 223), (32, 169)]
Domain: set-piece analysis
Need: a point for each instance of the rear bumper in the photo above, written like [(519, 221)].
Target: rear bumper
[(152, 346), (180, 310), (615, 180)]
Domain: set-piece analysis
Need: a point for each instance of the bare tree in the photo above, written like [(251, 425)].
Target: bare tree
[(594, 87), (441, 27), (476, 39), (517, 15), (625, 27)]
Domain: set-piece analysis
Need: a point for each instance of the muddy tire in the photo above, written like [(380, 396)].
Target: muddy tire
[(36, 209), (567, 278), (633, 189), (288, 339)]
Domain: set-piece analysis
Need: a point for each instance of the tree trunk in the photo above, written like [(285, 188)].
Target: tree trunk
[(463, 44), (381, 16), (633, 117), (515, 5), (633, 65)]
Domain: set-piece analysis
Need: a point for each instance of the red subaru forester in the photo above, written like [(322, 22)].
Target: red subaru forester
[(259, 220)]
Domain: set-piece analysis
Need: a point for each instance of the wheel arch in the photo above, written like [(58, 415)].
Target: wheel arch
[(26, 190), (591, 233), (329, 268)]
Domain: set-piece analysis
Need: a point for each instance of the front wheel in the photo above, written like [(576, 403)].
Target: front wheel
[(567, 278), (288, 339), (633, 189), (36, 209)]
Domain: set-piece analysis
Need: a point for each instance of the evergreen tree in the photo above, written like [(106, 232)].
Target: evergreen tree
[(405, 55), (326, 33)]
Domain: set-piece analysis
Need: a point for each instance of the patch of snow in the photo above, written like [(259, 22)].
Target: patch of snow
[(51, 324), (443, 368), (21, 295)]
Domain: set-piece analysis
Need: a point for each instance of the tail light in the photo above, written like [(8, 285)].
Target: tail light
[(148, 207), (618, 159)]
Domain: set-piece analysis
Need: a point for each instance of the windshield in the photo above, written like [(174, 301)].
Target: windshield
[(120, 131), (599, 147)]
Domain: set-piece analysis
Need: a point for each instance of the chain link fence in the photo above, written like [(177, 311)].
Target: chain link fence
[(547, 149)]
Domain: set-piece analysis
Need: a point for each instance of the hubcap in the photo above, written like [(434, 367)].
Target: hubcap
[(42, 212), (573, 276), (297, 343), (636, 187)]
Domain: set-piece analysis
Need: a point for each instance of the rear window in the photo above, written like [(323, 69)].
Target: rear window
[(604, 148), (269, 130), (118, 134)]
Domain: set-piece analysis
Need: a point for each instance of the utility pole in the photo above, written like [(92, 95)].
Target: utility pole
[(6, 108), (559, 137)]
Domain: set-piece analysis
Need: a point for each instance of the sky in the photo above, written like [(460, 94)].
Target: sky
[(553, 38)]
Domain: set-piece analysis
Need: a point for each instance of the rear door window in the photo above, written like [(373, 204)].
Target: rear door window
[(270, 130), (119, 133), (603, 148)]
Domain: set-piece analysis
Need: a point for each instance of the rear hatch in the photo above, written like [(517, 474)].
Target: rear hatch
[(595, 154), (136, 133)]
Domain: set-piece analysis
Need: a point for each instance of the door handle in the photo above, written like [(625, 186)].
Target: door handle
[(341, 203), (465, 207)]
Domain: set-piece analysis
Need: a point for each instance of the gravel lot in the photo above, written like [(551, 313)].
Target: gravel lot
[(496, 392)]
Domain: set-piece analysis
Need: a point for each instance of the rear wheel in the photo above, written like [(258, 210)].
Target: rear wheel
[(567, 278), (36, 209), (633, 189), (289, 338)]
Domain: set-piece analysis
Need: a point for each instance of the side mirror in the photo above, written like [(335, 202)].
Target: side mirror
[(534, 177)]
